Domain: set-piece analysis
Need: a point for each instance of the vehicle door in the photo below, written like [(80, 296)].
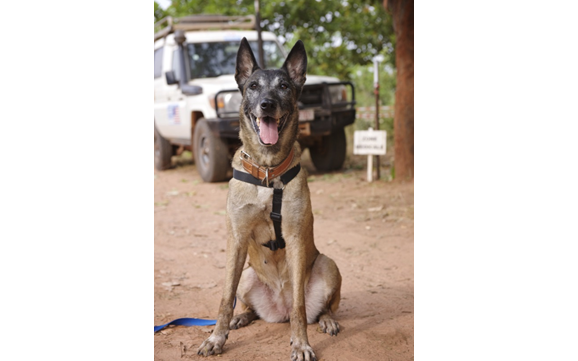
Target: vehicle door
[(170, 113)]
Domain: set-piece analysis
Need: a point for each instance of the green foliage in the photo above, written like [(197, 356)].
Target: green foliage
[(338, 35), (362, 77), (159, 12)]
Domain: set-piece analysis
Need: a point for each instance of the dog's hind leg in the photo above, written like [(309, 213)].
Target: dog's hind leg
[(326, 322), (243, 319), (323, 294), (248, 314), (328, 325)]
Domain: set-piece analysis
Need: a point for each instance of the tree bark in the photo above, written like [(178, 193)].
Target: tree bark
[(402, 15)]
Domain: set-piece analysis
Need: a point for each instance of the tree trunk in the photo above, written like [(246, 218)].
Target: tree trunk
[(402, 15)]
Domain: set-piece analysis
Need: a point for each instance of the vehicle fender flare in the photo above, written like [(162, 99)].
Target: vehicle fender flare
[(213, 124)]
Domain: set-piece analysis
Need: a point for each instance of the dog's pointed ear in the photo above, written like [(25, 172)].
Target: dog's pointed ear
[(246, 64), (296, 64)]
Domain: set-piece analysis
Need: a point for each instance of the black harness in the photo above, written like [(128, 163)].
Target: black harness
[(279, 242)]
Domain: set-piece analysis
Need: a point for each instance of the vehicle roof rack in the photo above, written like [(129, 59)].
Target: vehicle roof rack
[(169, 24)]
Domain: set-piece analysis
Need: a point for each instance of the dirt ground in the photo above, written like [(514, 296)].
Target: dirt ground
[(367, 228)]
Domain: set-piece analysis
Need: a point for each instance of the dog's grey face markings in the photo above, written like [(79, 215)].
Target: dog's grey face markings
[(270, 98), (274, 88), (269, 88)]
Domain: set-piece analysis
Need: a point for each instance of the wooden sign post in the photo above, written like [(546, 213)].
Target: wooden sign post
[(370, 142)]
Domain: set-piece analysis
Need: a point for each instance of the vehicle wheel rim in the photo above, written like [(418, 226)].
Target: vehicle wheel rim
[(205, 151), (157, 148)]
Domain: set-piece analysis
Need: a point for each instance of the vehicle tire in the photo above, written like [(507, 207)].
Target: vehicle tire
[(329, 154), (211, 153), (163, 151)]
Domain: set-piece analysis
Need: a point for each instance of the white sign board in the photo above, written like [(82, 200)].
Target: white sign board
[(370, 142)]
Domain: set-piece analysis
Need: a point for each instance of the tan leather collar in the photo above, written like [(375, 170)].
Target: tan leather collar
[(264, 173)]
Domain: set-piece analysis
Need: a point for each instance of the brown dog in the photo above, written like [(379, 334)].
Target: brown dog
[(269, 215)]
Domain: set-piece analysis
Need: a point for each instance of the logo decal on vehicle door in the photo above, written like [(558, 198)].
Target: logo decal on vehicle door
[(174, 117)]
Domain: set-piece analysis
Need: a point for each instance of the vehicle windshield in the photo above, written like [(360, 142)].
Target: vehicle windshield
[(208, 60)]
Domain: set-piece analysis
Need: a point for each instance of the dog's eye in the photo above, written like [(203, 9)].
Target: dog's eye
[(253, 85), (283, 86)]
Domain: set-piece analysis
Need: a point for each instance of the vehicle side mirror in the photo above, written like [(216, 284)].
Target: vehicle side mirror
[(191, 89), (171, 77)]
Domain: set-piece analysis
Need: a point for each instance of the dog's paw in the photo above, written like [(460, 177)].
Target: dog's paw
[(302, 353), (212, 346), (329, 326), (238, 322)]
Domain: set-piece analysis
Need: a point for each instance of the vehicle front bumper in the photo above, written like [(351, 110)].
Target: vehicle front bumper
[(323, 124)]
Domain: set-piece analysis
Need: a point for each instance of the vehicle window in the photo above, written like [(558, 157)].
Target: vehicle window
[(158, 62), (208, 60), (273, 56)]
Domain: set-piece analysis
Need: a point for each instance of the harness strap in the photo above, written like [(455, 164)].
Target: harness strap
[(279, 242)]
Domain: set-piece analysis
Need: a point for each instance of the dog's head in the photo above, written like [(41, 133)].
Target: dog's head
[(269, 112)]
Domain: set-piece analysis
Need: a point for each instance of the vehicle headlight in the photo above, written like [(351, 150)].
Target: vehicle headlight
[(231, 101), (338, 94)]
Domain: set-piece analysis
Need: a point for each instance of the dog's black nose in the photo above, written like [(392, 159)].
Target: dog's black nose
[(267, 104)]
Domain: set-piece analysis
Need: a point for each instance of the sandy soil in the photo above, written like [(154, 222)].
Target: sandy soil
[(367, 228)]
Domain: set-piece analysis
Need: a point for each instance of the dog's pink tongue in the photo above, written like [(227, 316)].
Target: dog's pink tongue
[(268, 130)]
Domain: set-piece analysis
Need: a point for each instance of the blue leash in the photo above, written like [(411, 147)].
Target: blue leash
[(191, 321), (187, 322)]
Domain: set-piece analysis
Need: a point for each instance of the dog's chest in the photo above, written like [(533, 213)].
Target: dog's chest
[(263, 229), (250, 212), (264, 200)]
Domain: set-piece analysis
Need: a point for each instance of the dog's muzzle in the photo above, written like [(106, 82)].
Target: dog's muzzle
[(268, 128)]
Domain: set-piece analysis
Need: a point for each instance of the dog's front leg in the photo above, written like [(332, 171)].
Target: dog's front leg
[(236, 255), (300, 349)]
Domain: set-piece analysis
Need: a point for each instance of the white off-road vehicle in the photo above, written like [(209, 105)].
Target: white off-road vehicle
[(197, 100)]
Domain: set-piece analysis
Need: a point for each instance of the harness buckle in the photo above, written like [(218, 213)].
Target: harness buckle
[(276, 217), (245, 155)]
